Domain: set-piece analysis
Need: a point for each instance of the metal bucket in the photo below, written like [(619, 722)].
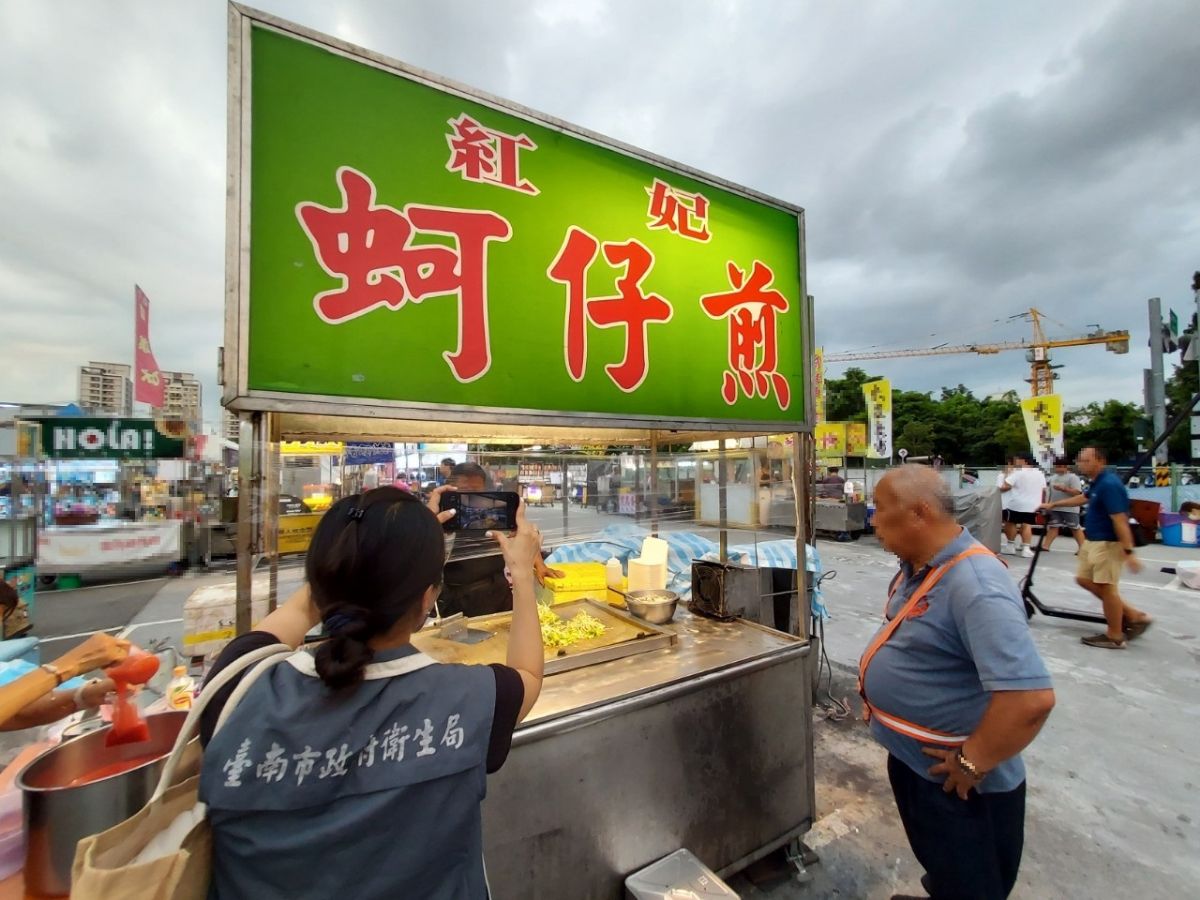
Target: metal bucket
[(58, 816)]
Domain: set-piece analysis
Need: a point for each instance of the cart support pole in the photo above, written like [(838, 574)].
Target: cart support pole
[(802, 452), (566, 496), (270, 495), (722, 505), (654, 483), (246, 543)]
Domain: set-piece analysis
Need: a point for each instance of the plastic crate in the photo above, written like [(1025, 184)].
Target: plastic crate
[(1178, 531)]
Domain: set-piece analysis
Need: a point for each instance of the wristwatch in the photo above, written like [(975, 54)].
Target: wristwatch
[(969, 767)]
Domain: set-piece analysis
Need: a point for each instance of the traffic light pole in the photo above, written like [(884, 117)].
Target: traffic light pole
[(1156, 404)]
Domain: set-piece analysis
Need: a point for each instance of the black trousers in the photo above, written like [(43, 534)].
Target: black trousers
[(970, 849)]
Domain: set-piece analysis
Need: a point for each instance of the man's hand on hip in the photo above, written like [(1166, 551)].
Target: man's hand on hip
[(958, 780)]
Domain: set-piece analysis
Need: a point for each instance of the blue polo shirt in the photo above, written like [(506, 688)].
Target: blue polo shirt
[(940, 667), (1107, 497)]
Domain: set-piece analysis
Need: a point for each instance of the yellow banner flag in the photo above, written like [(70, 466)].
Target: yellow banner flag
[(878, 395), (1044, 426), (830, 439), (856, 439)]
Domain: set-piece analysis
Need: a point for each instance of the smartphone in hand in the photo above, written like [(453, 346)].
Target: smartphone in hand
[(481, 510)]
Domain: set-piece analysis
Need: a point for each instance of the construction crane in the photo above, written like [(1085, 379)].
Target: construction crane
[(1041, 372)]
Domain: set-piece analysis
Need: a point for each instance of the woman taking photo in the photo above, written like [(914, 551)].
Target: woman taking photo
[(358, 769)]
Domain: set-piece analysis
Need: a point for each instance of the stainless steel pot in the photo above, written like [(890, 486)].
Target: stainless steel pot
[(57, 815)]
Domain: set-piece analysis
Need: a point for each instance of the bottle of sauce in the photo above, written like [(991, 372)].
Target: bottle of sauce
[(614, 575), (181, 689)]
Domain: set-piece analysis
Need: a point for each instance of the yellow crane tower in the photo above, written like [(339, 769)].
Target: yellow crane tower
[(1041, 372)]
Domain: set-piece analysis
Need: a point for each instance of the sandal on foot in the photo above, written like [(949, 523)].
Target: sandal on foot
[(1102, 640), (1136, 629)]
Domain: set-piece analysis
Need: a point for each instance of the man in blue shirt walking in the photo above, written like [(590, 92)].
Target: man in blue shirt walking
[(1108, 547)]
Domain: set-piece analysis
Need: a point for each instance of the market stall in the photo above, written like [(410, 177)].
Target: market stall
[(119, 492), (584, 294)]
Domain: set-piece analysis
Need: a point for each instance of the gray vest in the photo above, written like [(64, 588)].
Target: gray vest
[(372, 792)]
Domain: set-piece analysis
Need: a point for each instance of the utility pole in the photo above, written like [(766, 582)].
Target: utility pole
[(1156, 404)]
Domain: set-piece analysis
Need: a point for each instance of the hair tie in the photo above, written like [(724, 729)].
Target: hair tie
[(356, 513), (340, 622)]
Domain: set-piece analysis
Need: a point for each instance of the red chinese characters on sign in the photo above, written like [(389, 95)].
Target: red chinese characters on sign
[(631, 307), (486, 155), (753, 350), (678, 211), (370, 248)]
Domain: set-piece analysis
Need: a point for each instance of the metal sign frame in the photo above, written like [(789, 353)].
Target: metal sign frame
[(235, 378)]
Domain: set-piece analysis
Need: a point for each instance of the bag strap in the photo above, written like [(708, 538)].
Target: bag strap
[(885, 634), (247, 682), (191, 724)]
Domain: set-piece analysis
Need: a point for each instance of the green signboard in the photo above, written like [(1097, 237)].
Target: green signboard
[(412, 247), (84, 438)]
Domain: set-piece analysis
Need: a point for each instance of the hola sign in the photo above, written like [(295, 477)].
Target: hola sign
[(107, 439)]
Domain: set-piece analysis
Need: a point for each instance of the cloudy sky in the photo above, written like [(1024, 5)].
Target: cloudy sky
[(959, 163)]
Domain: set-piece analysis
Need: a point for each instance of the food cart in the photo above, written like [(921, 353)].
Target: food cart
[(467, 270)]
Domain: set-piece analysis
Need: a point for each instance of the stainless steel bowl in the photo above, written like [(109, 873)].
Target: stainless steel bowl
[(655, 607)]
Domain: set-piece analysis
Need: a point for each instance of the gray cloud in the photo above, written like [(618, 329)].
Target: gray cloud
[(957, 163)]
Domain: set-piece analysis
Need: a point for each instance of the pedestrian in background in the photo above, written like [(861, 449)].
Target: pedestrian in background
[(1026, 487), (1107, 548), (1063, 486)]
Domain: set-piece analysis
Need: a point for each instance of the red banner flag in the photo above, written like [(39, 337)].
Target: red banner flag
[(147, 379)]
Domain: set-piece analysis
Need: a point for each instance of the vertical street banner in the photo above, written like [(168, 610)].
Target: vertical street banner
[(878, 395), (819, 384), (147, 379), (856, 439), (1044, 426), (830, 438)]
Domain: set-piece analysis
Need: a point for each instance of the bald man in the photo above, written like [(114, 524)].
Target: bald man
[(955, 690)]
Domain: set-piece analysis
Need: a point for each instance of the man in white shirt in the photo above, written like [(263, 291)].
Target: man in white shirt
[(1025, 488)]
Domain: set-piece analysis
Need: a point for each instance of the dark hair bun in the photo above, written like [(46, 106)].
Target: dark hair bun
[(372, 559), (341, 659)]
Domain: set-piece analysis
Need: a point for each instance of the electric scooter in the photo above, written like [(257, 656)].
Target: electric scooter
[(1033, 604)]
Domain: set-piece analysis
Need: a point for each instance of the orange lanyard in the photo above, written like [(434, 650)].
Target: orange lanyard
[(926, 586)]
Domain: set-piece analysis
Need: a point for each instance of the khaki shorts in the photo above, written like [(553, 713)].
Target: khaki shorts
[(1101, 562)]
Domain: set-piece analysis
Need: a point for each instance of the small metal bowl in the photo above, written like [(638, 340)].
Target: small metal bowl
[(655, 607)]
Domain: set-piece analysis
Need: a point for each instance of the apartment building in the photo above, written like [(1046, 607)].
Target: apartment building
[(106, 389)]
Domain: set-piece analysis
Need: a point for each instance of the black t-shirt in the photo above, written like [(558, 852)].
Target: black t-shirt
[(510, 694)]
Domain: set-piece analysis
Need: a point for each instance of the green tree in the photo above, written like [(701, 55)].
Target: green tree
[(1011, 437), (916, 438), (1108, 425), (844, 401)]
